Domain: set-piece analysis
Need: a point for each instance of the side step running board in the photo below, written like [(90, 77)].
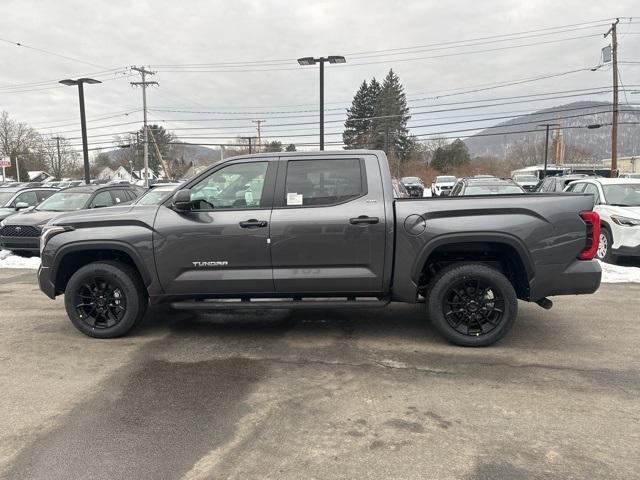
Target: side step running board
[(233, 304)]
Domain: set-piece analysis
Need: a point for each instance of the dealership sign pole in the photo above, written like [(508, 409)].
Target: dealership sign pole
[(4, 162)]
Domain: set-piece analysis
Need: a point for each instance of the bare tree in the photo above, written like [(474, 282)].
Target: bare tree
[(16, 138), (58, 157)]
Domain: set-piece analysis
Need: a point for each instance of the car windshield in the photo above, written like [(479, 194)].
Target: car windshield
[(5, 197), (623, 194), (445, 179), (155, 196), (525, 178), (492, 190), (410, 180), (65, 201)]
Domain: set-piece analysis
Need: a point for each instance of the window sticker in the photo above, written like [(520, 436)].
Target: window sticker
[(294, 198)]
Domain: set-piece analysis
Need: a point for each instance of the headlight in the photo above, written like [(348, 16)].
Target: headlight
[(625, 221), (47, 233)]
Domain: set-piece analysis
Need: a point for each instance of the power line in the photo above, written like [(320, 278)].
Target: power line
[(48, 52)]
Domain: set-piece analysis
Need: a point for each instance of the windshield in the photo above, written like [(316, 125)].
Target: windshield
[(410, 180), (492, 190), (155, 196), (623, 194), (445, 179), (526, 178), (5, 197), (65, 201)]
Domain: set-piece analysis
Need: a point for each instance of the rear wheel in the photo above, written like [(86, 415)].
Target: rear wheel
[(471, 305), (105, 299)]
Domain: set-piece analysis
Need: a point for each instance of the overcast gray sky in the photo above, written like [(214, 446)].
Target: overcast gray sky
[(114, 34)]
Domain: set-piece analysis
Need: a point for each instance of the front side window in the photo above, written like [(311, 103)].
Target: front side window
[(235, 186), (323, 182), (30, 198), (593, 190), (102, 199)]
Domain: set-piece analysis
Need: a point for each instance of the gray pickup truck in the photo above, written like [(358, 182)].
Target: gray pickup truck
[(320, 230)]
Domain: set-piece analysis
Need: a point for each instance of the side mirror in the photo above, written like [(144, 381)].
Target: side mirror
[(21, 205), (182, 200)]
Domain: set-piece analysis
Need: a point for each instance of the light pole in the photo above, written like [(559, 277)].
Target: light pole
[(546, 144), (306, 61), (83, 120)]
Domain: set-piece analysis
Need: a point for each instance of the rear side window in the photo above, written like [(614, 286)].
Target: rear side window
[(120, 196), (323, 182)]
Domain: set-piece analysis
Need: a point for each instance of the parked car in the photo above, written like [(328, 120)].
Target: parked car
[(527, 181), (14, 199), (20, 232), (320, 230), (442, 185), (558, 183), (413, 185), (617, 201), (630, 175), (399, 191), (485, 186)]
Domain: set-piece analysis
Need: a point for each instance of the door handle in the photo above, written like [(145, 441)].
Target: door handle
[(363, 219), (253, 223)]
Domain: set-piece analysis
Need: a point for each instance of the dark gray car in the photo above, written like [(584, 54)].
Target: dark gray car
[(320, 230), (20, 232), (14, 199), (485, 186)]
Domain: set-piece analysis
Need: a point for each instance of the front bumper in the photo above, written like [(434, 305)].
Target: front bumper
[(415, 191), (579, 277), (45, 283), (25, 244)]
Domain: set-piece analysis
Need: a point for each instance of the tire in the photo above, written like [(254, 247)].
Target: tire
[(471, 305), (105, 299), (604, 247)]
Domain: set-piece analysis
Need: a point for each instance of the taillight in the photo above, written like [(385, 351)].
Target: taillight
[(592, 219)]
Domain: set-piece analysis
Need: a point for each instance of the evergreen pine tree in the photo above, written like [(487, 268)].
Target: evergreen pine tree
[(390, 132), (356, 127)]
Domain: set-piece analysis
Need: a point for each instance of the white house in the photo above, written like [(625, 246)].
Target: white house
[(105, 174)]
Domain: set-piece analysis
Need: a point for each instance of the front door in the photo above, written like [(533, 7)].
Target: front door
[(328, 226), (220, 246)]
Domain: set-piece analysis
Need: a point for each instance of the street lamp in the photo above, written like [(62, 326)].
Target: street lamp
[(307, 61), (83, 120)]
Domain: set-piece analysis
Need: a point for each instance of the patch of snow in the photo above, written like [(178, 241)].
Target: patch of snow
[(7, 260), (619, 274)]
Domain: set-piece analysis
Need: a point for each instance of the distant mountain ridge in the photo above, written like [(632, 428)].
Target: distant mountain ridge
[(596, 143)]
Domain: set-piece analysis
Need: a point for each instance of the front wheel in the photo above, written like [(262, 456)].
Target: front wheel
[(105, 299), (604, 247), (471, 305)]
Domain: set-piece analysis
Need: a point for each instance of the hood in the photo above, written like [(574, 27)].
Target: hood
[(32, 217), (444, 184), (125, 214), (631, 212), (5, 212), (527, 183)]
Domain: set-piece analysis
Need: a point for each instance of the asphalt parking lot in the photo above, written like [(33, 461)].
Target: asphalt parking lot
[(291, 395)]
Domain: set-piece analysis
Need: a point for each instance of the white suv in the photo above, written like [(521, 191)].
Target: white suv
[(617, 201)]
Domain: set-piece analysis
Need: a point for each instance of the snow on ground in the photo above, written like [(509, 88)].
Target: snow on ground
[(610, 273)]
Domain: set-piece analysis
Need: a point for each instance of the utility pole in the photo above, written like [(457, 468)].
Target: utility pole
[(614, 120), (57, 139), (144, 84), (546, 144), (258, 125), (248, 139)]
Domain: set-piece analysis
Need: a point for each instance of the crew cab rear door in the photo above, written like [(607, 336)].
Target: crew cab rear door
[(221, 245), (328, 225)]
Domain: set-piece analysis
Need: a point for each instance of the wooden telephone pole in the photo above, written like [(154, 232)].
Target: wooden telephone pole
[(144, 84), (258, 125), (614, 120)]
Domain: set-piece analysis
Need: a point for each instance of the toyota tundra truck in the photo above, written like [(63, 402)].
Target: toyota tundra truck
[(320, 230)]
